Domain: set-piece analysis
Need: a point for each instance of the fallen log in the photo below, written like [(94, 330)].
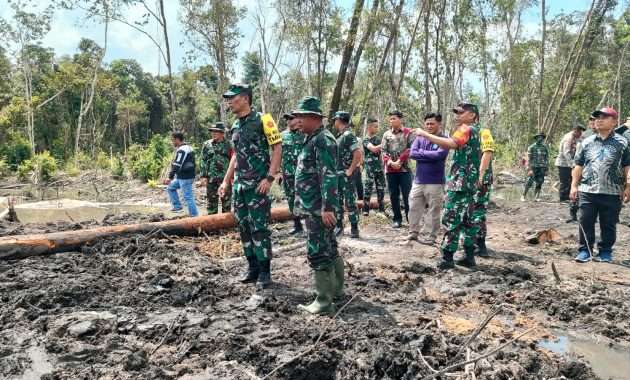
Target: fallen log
[(22, 246)]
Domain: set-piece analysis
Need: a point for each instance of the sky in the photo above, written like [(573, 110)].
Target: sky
[(68, 27)]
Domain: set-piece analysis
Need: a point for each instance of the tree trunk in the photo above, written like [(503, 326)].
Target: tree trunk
[(171, 84), (405, 60), (345, 58), (543, 39), (425, 56)]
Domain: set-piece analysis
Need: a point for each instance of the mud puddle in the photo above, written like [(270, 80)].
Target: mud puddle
[(608, 361)]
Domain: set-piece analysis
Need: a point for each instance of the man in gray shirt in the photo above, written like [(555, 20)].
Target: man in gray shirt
[(601, 175)]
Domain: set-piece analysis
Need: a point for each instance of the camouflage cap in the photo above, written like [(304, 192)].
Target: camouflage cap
[(217, 127), (309, 105), (343, 116), (237, 89), (466, 106)]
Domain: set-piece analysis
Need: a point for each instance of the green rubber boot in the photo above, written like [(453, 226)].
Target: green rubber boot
[(339, 278), (324, 284)]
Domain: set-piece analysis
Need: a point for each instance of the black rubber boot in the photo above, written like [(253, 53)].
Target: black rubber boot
[(251, 275), (469, 258), (297, 226), (264, 278), (446, 262), (366, 208), (339, 228), (381, 206), (480, 248), (354, 231)]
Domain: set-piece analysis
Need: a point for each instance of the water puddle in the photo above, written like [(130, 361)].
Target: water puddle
[(70, 210), (608, 362)]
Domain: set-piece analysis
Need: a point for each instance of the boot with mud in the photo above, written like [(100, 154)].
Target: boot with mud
[(324, 283), (339, 270), (251, 275), (446, 262), (354, 230), (264, 278), (339, 228), (480, 248), (366, 208), (297, 227), (468, 260)]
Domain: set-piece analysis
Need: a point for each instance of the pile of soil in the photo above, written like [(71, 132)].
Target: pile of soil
[(165, 308)]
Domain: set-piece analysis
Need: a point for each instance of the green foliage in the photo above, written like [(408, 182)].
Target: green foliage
[(15, 150), (41, 168), (148, 163), (118, 167), (102, 161), (71, 169), (4, 168)]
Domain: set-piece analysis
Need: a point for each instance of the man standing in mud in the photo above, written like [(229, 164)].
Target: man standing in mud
[(348, 161), (215, 159), (601, 174), (292, 142), (374, 175), (395, 147), (461, 185), (317, 200), (253, 170), (538, 165), (564, 163)]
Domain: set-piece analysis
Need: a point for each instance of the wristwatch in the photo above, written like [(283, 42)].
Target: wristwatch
[(271, 178)]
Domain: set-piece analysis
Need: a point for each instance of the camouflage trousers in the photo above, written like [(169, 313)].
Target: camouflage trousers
[(538, 177), (252, 212), (321, 243), (212, 195), (480, 210), (457, 219), (346, 191), (374, 180), (288, 185)]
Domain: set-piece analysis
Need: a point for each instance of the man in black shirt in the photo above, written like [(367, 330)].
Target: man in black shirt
[(182, 175)]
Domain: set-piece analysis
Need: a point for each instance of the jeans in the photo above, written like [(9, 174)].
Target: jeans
[(399, 183), (187, 192), (565, 183), (607, 207)]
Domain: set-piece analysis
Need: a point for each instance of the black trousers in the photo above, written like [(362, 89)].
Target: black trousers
[(565, 183), (358, 183), (607, 207), (399, 183)]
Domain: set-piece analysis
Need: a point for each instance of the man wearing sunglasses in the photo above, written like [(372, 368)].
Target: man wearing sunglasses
[(461, 185)]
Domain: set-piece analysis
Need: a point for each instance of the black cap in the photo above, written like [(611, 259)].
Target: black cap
[(540, 135), (395, 113), (217, 127), (466, 106), (343, 116)]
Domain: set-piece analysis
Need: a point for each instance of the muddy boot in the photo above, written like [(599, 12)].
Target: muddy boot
[(480, 248), (297, 227), (324, 283), (264, 278), (251, 275), (339, 228), (446, 262), (366, 208), (339, 277), (354, 230), (469, 258)]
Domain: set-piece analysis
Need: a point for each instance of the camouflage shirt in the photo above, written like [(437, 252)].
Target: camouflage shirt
[(373, 162), (466, 159), (251, 143), (347, 143), (292, 142), (538, 155), (396, 145), (215, 159), (316, 175)]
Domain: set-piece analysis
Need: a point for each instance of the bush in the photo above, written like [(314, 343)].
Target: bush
[(71, 169), (148, 163), (16, 150), (103, 161), (118, 167), (42, 167), (4, 168)]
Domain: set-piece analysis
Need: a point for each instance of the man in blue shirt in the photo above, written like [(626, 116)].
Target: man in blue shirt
[(601, 164)]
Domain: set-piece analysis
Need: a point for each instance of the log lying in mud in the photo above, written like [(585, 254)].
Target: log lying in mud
[(22, 246)]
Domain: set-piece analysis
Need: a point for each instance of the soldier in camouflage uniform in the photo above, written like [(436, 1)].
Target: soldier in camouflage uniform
[(484, 189), (461, 186), (316, 200), (348, 161), (215, 159), (292, 142), (253, 170), (538, 162), (374, 173)]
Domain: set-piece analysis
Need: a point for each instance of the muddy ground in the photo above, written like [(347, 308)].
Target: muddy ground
[(147, 308)]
